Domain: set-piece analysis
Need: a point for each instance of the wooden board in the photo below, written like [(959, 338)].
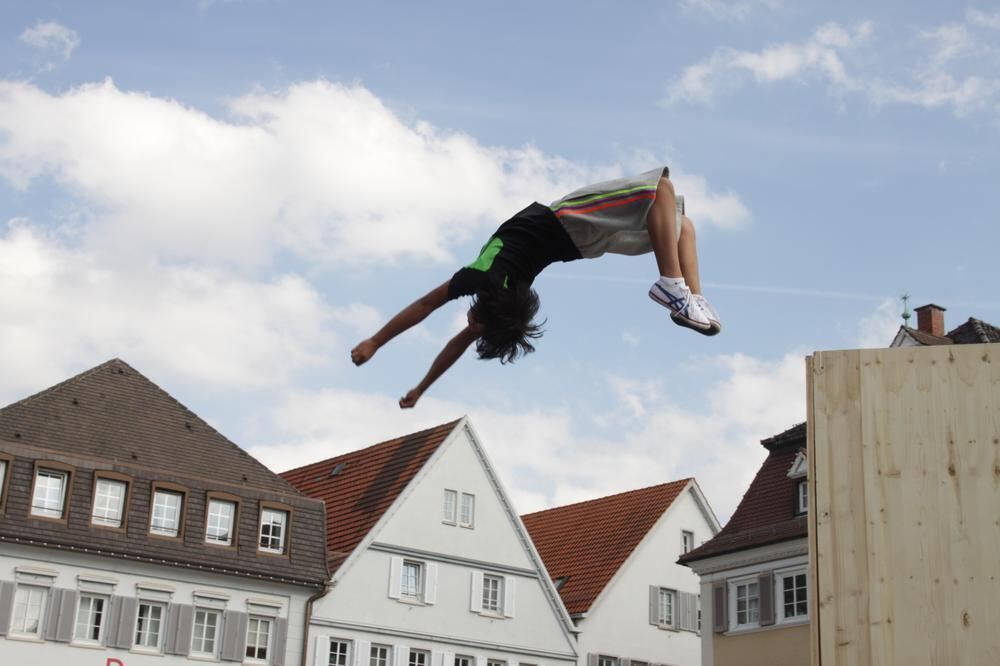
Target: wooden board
[(904, 454)]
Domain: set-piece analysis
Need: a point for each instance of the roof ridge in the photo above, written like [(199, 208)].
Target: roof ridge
[(633, 491), (55, 387), (448, 424)]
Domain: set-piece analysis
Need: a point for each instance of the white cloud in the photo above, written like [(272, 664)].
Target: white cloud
[(652, 438), (730, 10), (51, 37), (878, 328), (980, 18)]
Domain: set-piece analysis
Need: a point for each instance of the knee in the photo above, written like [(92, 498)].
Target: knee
[(687, 227), (665, 189)]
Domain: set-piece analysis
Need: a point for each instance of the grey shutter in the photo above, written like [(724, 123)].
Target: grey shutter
[(508, 596), (395, 577), (591, 659), (720, 613), (51, 618), (280, 641), (170, 629), (676, 614), (6, 605), (682, 610), (692, 611), (67, 616), (185, 626), (654, 605), (111, 621), (765, 588), (234, 632), (126, 623)]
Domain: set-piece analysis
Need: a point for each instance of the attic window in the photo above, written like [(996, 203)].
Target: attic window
[(800, 467), (337, 469)]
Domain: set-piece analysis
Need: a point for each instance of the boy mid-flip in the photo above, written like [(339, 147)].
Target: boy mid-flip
[(625, 216)]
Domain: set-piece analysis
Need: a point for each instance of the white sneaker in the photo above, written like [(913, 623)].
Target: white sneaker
[(713, 316), (683, 308)]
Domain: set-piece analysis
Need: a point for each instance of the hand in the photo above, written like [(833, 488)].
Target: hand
[(410, 399), (364, 351)]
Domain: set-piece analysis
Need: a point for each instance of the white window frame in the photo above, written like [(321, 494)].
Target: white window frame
[(425, 657), (414, 592), (89, 624), (3, 478), (109, 516), (213, 522), (450, 507), (687, 541), (802, 501), (261, 621), (383, 659), (605, 660), (339, 653), (216, 636), (734, 586), (779, 595), (669, 595), (496, 662), (488, 604), (43, 510), (25, 600), (282, 533), (138, 641), (158, 519), (464, 660), (467, 518)]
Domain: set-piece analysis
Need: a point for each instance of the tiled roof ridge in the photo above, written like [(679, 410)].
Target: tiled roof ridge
[(792, 434), (393, 440), (634, 491), (55, 387)]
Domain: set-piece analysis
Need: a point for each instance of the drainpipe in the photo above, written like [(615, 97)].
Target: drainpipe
[(309, 612)]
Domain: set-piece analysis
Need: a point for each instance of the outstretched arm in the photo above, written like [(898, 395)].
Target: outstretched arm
[(411, 315), (451, 353)]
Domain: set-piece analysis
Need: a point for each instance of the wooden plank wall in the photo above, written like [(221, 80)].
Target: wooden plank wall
[(905, 506)]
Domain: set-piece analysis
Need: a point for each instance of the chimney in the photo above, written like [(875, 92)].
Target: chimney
[(930, 319)]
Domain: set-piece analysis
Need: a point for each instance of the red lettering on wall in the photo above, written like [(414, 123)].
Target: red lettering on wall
[(113, 662)]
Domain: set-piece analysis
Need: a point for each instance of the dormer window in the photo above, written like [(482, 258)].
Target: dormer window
[(48, 497), (802, 501)]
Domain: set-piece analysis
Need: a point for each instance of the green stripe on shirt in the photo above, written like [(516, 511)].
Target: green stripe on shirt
[(605, 195)]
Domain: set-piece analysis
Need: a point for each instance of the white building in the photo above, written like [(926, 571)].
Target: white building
[(133, 534), (432, 566), (613, 560)]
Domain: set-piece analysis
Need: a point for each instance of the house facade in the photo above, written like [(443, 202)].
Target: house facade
[(132, 533), (431, 565), (754, 572), (613, 561)]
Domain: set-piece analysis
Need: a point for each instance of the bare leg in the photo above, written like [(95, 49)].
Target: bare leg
[(687, 250), (662, 224)]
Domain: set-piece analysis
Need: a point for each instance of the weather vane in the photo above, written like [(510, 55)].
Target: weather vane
[(906, 308)]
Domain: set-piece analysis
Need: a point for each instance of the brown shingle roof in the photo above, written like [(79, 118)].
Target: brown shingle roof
[(974, 331), (766, 514), (359, 487), (586, 543)]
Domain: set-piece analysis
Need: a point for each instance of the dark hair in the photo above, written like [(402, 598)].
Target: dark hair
[(506, 317)]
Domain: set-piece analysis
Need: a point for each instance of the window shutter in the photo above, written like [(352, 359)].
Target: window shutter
[(111, 621), (765, 588), (476, 596), (52, 608), (234, 634), (508, 595), (692, 621), (591, 659), (362, 653), (170, 629), (185, 626), (126, 623), (67, 616), (402, 654), (720, 612), (280, 642), (624, 661), (654, 605), (395, 577), (682, 610), (437, 658), (6, 605), (321, 655), (675, 610), (430, 582), (447, 659)]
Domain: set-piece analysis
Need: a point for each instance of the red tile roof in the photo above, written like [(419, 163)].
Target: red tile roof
[(586, 543), (359, 487), (766, 513)]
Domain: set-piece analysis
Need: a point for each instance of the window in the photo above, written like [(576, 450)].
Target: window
[(167, 505), (219, 525), (794, 599), (149, 621), (665, 613), (603, 660), (803, 492), (109, 502), (272, 530), (412, 581), (463, 660), (687, 541), (90, 619), (450, 502), (496, 662), (419, 658), (29, 606), (380, 656), (338, 652), (3, 480), (205, 632), (468, 517), (49, 497), (747, 603), (259, 638), (492, 593)]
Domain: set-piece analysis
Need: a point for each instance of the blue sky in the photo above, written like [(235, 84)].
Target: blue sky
[(229, 195)]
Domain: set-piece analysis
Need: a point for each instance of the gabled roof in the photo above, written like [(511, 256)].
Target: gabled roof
[(360, 486), (586, 543), (973, 331), (766, 514)]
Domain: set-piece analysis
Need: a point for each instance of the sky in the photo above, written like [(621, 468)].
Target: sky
[(230, 194)]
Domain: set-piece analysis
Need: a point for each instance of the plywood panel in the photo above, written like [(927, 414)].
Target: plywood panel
[(905, 464)]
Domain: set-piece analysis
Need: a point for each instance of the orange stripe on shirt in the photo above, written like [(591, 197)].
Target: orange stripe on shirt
[(610, 204)]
